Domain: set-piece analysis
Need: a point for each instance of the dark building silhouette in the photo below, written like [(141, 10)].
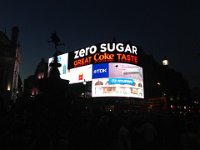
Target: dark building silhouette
[(10, 60), (161, 81), (31, 84), (36, 83)]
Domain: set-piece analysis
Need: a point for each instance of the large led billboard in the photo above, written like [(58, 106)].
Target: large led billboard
[(104, 52), (112, 68), (122, 80)]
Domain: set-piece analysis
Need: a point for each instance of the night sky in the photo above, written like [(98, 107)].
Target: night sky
[(162, 28)]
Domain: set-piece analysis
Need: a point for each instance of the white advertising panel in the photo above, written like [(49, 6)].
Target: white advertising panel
[(120, 80), (74, 75), (63, 60), (80, 74)]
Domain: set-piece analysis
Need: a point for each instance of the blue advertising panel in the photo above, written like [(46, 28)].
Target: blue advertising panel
[(121, 81), (100, 70)]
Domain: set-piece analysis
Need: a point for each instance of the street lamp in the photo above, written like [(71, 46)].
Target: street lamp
[(84, 83), (165, 61), (158, 83)]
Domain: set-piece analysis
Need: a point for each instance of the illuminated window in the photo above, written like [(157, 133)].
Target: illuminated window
[(34, 92), (40, 75)]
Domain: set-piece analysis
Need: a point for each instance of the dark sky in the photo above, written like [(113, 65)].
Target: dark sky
[(162, 28)]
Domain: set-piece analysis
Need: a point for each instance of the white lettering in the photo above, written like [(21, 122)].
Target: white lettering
[(93, 49), (128, 48), (134, 48), (86, 51), (76, 54), (119, 47), (103, 70), (109, 47), (81, 53), (103, 47), (100, 71)]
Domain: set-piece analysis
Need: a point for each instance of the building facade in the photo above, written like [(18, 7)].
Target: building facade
[(10, 60), (31, 84)]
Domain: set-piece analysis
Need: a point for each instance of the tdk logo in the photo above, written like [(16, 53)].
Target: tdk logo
[(100, 70)]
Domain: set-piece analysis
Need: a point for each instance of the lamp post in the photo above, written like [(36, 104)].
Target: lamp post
[(165, 63), (84, 84)]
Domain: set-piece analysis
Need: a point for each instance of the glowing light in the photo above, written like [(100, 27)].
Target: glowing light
[(165, 62), (8, 87), (158, 83), (41, 75), (34, 92), (84, 82), (171, 98)]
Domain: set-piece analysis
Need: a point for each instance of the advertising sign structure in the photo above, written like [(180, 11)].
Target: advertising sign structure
[(63, 60), (123, 80), (112, 68), (74, 75), (101, 53), (78, 75)]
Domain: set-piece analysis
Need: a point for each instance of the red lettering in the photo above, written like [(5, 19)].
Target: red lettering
[(82, 62), (105, 57), (134, 59), (127, 58), (119, 57)]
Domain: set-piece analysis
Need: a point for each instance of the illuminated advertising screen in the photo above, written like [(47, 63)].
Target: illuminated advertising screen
[(63, 60), (112, 68), (102, 53), (123, 80), (100, 70), (74, 75), (80, 74)]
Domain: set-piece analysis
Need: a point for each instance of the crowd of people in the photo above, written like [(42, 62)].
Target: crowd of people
[(34, 126)]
